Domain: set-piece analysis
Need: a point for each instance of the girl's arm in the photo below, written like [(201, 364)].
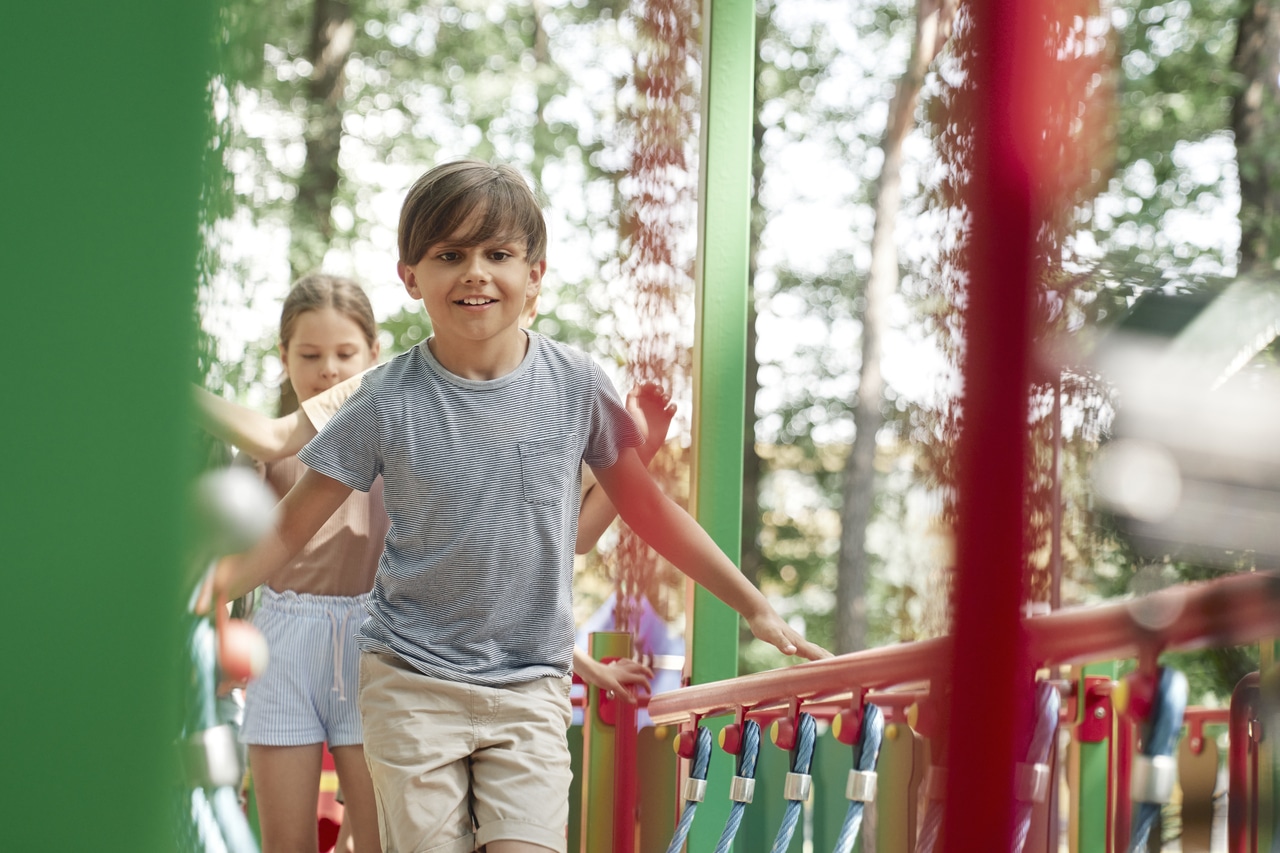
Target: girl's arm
[(269, 439), (265, 439), (674, 534), (618, 677)]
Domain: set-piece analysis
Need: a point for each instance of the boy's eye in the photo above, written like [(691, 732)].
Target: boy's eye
[(448, 256), (499, 255)]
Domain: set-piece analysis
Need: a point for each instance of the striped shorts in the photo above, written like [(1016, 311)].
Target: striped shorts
[(308, 692)]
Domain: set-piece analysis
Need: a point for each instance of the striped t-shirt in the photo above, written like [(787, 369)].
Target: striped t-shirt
[(481, 483)]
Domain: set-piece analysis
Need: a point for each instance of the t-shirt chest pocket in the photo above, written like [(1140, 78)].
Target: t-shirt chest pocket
[(547, 466)]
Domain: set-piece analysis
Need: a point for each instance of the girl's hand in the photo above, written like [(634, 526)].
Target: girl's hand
[(616, 677), (651, 408), (772, 629)]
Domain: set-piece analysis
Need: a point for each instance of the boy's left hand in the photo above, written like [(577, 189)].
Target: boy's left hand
[(772, 629)]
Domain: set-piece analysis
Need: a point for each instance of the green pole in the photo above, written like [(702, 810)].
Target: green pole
[(720, 353), (105, 130)]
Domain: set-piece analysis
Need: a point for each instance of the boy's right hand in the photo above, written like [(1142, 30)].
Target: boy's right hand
[(774, 630)]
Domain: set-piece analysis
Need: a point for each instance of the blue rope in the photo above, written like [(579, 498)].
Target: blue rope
[(1159, 737), (800, 762), (747, 770), (1046, 726), (930, 827), (701, 758), (868, 752)]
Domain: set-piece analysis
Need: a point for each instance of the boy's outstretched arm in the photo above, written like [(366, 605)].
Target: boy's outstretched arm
[(652, 410), (674, 534), (299, 515)]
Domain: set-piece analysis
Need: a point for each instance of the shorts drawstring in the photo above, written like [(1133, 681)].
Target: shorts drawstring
[(339, 641)]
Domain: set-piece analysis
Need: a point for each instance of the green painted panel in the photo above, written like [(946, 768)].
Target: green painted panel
[(656, 765), (102, 147), (832, 761)]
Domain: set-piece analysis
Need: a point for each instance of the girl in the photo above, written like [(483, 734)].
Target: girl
[(311, 609)]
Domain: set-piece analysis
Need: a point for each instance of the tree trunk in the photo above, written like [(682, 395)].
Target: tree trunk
[(1255, 120), (332, 35), (933, 25)]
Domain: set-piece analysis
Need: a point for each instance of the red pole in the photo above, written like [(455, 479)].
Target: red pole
[(991, 677), (624, 777), (1122, 763), (1239, 791)]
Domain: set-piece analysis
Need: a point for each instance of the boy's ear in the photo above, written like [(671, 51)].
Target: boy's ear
[(410, 281), (536, 272)]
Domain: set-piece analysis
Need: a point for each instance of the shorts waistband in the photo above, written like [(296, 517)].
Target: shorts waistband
[(306, 604)]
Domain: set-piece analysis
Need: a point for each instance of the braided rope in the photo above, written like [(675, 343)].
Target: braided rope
[(701, 758), (801, 759), (1160, 737), (747, 770), (868, 752), (1046, 726)]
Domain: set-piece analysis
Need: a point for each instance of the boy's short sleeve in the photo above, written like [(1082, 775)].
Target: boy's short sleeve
[(612, 428), (348, 447), (323, 406)]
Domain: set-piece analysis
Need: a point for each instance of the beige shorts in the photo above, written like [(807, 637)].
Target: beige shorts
[(456, 766)]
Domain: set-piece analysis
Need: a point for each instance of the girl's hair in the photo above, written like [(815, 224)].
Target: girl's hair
[(448, 196), (311, 293)]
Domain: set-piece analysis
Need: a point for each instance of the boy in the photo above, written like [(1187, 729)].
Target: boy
[(478, 434)]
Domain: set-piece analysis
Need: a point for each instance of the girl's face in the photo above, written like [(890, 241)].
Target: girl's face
[(325, 348)]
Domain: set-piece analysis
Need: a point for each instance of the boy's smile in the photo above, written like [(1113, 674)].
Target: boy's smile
[(475, 296)]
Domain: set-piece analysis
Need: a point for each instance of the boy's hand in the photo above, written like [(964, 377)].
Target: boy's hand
[(616, 677), (772, 629), (651, 408)]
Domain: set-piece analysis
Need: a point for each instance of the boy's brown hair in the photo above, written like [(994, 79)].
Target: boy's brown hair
[(446, 197)]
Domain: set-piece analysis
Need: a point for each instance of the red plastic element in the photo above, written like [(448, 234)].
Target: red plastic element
[(1196, 719), (686, 742), (1142, 695), (783, 731), (1242, 767), (1095, 726)]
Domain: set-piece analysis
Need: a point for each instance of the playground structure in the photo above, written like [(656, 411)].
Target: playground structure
[(990, 672)]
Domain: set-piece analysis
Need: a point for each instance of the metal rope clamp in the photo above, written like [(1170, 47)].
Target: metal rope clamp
[(211, 758), (1153, 778), (695, 790), (742, 789), (861, 787), (1031, 782), (797, 786)]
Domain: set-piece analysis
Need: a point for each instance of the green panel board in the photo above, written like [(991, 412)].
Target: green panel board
[(832, 761), (720, 351), (104, 133), (762, 818), (656, 767)]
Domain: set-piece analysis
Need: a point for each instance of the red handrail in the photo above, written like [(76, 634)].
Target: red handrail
[(1228, 611)]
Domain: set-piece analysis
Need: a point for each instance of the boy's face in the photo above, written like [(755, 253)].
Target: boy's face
[(474, 293)]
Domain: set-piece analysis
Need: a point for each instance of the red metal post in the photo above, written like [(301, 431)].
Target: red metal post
[(1241, 825), (625, 820)]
